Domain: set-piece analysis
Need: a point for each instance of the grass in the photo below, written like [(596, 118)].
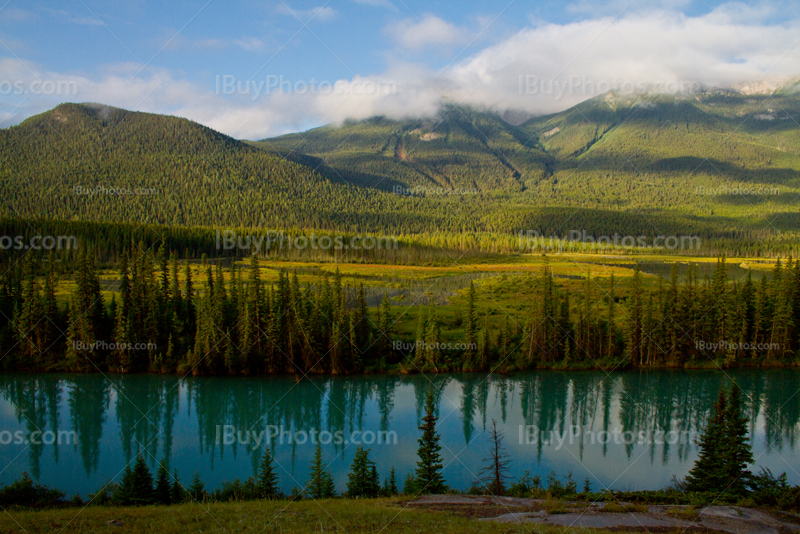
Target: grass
[(688, 513), (339, 515), (617, 508)]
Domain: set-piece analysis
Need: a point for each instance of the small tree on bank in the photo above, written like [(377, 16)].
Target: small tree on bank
[(493, 477), (363, 481), (320, 485), (725, 452), (429, 477), (266, 479)]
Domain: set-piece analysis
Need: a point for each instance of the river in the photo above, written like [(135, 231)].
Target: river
[(624, 430)]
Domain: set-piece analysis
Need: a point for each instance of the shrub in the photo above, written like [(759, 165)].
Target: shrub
[(24, 492)]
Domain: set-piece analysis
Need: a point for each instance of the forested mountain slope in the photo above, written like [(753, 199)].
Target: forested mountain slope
[(93, 162), (718, 164), (727, 161)]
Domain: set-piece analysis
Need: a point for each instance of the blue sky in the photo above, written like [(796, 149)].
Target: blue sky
[(392, 57)]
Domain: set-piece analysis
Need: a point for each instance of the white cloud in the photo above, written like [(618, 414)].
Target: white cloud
[(249, 44), (319, 13), (414, 33), (540, 69)]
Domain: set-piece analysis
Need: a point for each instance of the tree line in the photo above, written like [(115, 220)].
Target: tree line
[(162, 317)]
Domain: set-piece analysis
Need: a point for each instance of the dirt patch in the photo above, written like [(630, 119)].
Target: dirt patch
[(575, 514)]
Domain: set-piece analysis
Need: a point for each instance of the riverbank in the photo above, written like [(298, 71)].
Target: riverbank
[(338, 515), (434, 513)]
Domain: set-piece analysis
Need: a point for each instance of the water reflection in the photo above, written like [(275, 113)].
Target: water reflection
[(577, 418)]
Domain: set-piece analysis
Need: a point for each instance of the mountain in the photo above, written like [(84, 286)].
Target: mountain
[(719, 164), (95, 162), (720, 161), (462, 149)]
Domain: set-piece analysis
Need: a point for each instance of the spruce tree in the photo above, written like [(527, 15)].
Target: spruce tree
[(197, 490), (385, 327), (124, 494), (470, 334), (266, 479), (708, 473), (428, 477), (390, 484), (176, 494), (143, 492), (361, 481), (163, 488), (320, 484), (737, 453)]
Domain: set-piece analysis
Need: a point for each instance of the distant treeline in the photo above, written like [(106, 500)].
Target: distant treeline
[(541, 234), (162, 319)]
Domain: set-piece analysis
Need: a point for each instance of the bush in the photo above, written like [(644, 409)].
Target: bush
[(525, 486), (24, 492), (769, 490)]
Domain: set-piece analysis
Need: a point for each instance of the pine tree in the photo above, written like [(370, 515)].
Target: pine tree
[(177, 494), (266, 479), (143, 492), (163, 489), (410, 485), (708, 473), (124, 494), (320, 484), (737, 454), (390, 484), (197, 490), (428, 477), (362, 480), (385, 327), (433, 334), (470, 334), (419, 339)]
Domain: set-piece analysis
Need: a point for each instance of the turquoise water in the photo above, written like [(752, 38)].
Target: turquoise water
[(625, 430)]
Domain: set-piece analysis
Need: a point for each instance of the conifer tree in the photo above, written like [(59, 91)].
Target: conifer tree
[(428, 477), (177, 494), (470, 334), (266, 479), (385, 327), (708, 473), (196, 491), (362, 480), (143, 492), (124, 494), (163, 488), (390, 484), (737, 454), (320, 484)]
